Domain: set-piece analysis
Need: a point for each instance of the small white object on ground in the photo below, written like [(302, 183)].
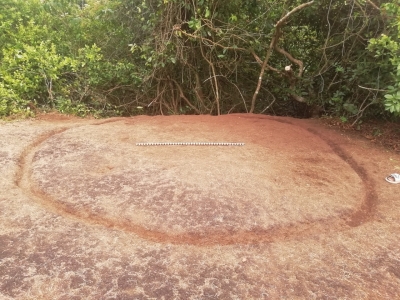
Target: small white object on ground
[(393, 178)]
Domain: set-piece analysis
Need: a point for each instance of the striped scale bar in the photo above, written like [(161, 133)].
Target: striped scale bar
[(190, 144)]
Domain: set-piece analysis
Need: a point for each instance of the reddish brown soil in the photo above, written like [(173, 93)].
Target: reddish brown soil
[(299, 211), (386, 134)]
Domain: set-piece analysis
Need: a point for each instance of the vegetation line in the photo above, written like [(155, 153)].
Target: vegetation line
[(119, 58)]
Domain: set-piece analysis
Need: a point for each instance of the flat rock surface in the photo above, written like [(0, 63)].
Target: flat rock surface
[(292, 210)]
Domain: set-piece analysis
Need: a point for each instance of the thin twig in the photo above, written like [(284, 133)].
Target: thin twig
[(373, 5), (371, 89)]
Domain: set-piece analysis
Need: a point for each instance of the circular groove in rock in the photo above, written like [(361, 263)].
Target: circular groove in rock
[(207, 237)]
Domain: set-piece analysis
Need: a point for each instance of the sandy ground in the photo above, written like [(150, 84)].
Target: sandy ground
[(297, 212)]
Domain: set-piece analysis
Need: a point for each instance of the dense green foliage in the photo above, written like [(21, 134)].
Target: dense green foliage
[(201, 56), (387, 49)]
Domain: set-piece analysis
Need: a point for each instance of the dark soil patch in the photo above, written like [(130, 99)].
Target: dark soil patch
[(386, 134)]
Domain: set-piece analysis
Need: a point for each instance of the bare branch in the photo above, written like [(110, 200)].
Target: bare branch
[(182, 95), (373, 5), (264, 65), (203, 39), (370, 89), (285, 17), (272, 45), (291, 58)]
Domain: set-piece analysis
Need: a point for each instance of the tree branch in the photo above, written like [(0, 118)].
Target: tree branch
[(291, 58), (296, 9), (182, 95), (373, 5), (272, 45)]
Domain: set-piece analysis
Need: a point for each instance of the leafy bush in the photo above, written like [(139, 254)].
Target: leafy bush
[(387, 48), (178, 56), (12, 104)]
